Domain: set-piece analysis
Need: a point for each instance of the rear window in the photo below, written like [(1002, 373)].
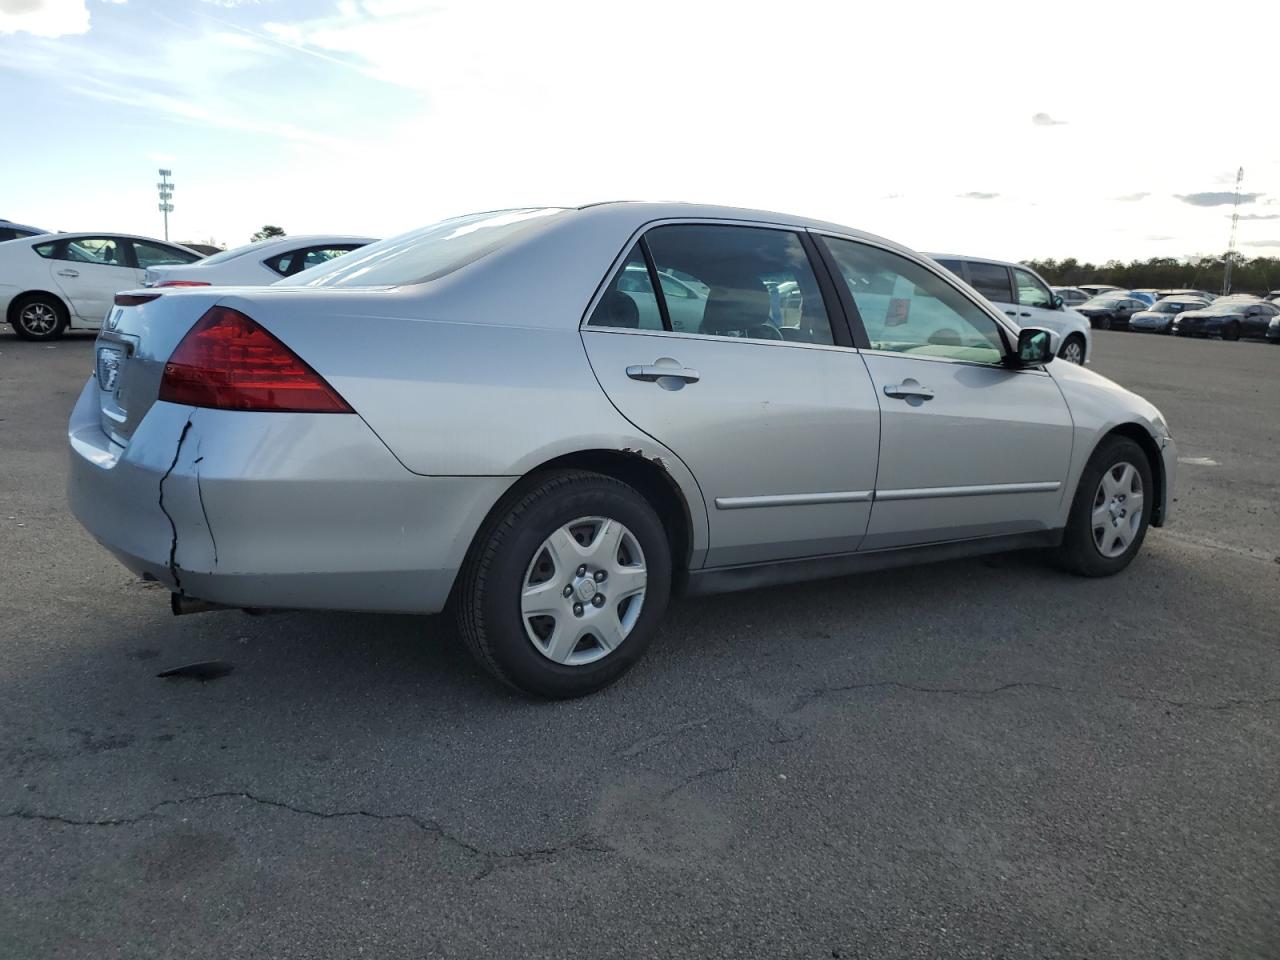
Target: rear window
[(425, 254)]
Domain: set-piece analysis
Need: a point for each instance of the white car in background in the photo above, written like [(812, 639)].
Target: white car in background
[(1026, 299), (256, 264), (67, 281)]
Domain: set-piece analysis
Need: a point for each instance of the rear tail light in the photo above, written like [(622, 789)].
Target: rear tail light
[(180, 283), (228, 362)]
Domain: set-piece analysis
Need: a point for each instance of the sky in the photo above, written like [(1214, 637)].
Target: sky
[(1008, 130)]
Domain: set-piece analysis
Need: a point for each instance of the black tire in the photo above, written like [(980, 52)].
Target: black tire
[(1231, 331), (1074, 340), (1080, 552), (29, 316), (1102, 323), (487, 603)]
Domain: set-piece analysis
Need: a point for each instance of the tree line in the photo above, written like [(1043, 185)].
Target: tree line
[(1248, 275)]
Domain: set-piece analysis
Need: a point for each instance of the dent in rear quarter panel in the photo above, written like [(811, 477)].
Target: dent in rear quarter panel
[(454, 399)]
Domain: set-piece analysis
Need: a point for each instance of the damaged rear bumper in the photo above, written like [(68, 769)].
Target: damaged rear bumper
[(273, 509)]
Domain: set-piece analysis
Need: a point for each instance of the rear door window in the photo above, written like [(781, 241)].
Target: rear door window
[(758, 282), (991, 280), (629, 302)]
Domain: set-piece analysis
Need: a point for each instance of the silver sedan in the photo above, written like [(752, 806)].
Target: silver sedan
[(509, 415)]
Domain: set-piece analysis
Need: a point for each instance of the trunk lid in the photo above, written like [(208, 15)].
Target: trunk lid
[(136, 340)]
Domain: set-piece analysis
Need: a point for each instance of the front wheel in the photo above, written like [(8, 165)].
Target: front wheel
[(1073, 349), (1110, 514), (565, 586), (1102, 323), (39, 316)]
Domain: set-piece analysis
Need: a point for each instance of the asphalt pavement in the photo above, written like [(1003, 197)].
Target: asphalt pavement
[(986, 758)]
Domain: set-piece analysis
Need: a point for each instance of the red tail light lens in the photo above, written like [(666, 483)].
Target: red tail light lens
[(180, 283), (228, 362)]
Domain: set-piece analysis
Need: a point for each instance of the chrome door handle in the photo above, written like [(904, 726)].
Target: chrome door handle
[(68, 273), (664, 368), (907, 390)]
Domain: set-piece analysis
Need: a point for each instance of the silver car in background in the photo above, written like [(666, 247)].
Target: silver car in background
[(509, 415)]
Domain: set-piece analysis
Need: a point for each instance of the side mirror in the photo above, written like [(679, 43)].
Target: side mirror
[(1035, 347), (1058, 301)]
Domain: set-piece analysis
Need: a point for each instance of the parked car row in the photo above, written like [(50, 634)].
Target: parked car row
[(54, 282), (552, 420)]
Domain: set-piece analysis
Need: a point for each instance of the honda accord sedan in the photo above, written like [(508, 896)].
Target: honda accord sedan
[(487, 415)]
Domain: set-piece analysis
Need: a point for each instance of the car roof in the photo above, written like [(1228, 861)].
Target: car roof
[(74, 234), (23, 226)]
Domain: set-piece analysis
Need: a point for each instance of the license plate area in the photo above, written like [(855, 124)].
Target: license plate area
[(110, 365)]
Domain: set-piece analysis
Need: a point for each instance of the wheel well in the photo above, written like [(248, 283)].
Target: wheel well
[(1084, 342), (1139, 435), (651, 480), (12, 313)]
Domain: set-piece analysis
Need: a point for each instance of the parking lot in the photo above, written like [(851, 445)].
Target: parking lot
[(982, 758)]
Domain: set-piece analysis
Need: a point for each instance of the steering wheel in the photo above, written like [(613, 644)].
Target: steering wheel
[(764, 331)]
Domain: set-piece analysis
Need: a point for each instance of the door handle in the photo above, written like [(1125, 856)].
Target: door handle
[(68, 273), (665, 372), (1010, 313), (1024, 314), (908, 390)]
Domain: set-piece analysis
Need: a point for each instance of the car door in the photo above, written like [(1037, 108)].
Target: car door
[(90, 271), (968, 447), (1257, 319), (779, 427)]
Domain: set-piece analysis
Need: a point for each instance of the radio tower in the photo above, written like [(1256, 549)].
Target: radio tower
[(1231, 247)]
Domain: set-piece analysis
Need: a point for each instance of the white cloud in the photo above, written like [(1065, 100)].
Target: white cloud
[(44, 18)]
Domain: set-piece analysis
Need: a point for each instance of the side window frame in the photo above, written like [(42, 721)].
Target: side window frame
[(1007, 336), (842, 331)]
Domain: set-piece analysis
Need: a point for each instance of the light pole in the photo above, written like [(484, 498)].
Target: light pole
[(166, 194), (1231, 247)]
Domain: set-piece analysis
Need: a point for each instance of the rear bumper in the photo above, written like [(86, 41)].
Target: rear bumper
[(273, 510)]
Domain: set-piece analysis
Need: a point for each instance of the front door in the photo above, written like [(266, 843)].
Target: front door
[(777, 421), (968, 448)]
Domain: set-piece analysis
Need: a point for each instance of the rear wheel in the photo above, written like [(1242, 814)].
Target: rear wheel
[(39, 316), (1110, 512), (1231, 331), (1072, 350), (1102, 323), (565, 585)]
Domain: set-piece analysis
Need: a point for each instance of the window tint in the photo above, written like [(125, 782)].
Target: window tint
[(955, 266), (1031, 292), (629, 302), (909, 309), (991, 280), (758, 282), (158, 255), (7, 234)]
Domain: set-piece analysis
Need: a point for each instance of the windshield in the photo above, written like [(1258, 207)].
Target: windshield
[(424, 254)]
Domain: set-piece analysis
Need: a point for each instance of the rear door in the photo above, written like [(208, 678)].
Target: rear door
[(772, 410), (90, 271), (968, 447)]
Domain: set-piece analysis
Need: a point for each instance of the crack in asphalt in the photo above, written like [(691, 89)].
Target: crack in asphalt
[(491, 859), (1230, 703)]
